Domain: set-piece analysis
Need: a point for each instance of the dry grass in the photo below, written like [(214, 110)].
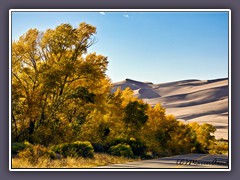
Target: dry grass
[(98, 160)]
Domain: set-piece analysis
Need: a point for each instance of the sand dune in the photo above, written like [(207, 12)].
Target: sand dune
[(189, 100)]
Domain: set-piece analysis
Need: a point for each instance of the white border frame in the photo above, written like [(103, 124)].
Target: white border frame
[(121, 10)]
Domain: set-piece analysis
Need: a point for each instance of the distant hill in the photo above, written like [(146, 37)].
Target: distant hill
[(189, 100)]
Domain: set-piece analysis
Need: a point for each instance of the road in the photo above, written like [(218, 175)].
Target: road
[(181, 161)]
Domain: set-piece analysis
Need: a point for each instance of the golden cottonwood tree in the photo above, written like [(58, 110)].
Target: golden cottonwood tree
[(55, 83), (204, 136)]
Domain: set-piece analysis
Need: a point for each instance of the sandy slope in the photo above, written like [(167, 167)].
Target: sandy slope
[(189, 100)]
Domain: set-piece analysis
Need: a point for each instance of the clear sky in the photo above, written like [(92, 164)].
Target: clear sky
[(148, 46)]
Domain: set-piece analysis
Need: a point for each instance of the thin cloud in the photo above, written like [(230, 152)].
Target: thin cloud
[(102, 13), (126, 16)]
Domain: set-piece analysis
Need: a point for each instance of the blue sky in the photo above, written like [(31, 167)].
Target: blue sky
[(148, 46)]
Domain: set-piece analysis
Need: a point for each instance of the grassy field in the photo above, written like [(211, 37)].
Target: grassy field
[(99, 159)]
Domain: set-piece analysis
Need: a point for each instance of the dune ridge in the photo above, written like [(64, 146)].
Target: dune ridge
[(190, 100)]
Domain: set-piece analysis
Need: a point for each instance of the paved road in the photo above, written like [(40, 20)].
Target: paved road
[(180, 161)]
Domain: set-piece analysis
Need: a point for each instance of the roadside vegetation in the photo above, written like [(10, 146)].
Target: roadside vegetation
[(64, 113), (220, 146)]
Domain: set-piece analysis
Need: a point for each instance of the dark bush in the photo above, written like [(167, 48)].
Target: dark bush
[(17, 147), (76, 149), (138, 147), (121, 150), (98, 147)]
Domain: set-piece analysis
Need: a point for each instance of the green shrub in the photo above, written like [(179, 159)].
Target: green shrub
[(76, 149), (33, 153), (117, 141), (98, 147), (220, 147), (137, 145), (17, 147), (121, 150)]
